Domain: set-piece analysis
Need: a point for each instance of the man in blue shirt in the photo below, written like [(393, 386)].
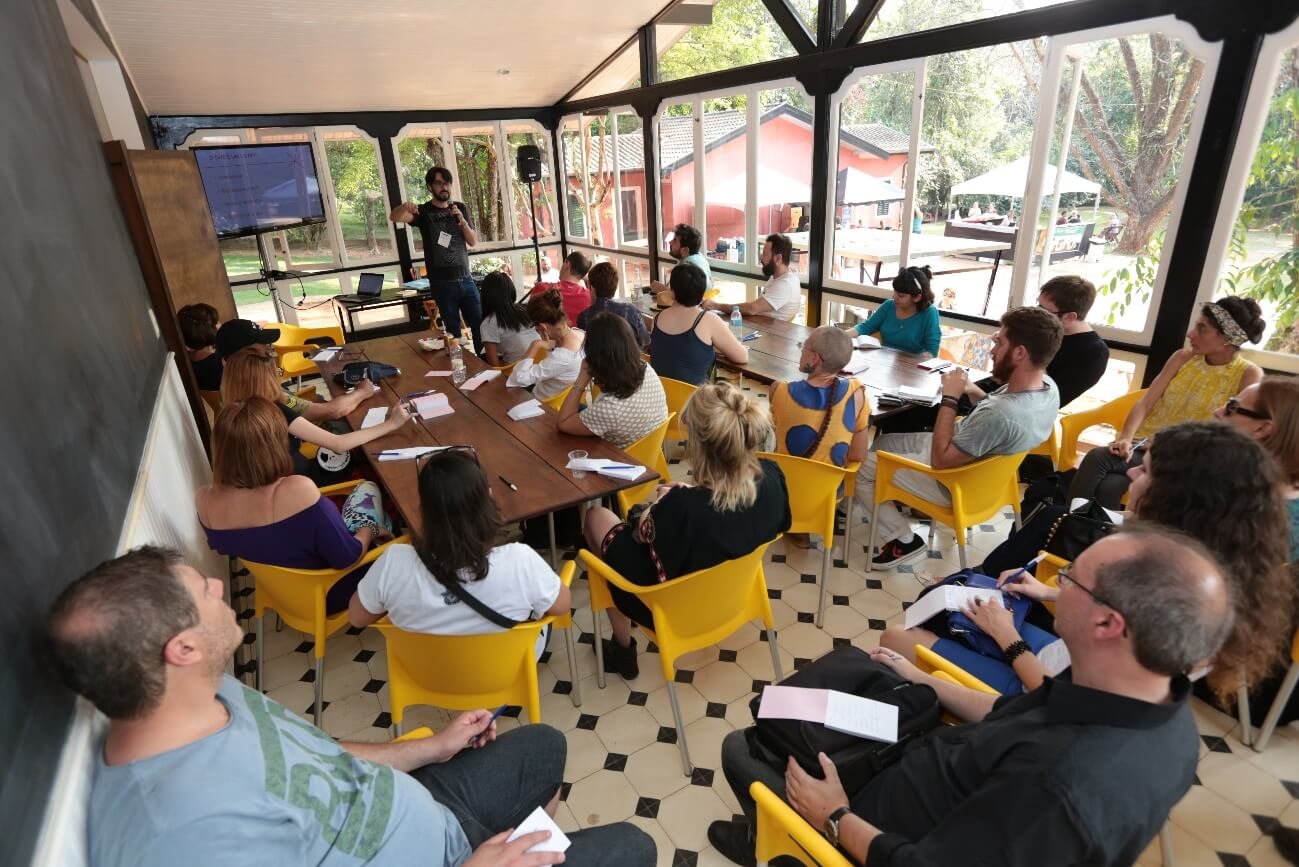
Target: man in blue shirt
[(198, 769)]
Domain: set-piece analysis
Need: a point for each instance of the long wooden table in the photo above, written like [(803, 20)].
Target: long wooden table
[(531, 453), (880, 246)]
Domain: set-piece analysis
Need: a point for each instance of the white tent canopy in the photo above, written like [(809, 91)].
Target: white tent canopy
[(855, 187), (774, 188), (1012, 179)]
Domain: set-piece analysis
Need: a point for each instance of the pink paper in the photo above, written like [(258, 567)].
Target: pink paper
[(793, 702)]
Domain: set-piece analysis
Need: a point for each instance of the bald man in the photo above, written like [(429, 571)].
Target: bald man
[(1082, 770)]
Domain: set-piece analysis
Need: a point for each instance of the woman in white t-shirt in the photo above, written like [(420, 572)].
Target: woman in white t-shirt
[(563, 361), (418, 586), (631, 402), (507, 331)]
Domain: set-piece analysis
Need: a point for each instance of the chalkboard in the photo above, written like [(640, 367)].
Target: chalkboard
[(81, 362)]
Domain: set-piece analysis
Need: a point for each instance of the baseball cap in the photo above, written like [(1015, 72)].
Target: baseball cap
[(238, 334)]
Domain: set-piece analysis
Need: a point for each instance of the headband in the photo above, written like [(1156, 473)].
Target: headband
[(915, 288), (1229, 327)]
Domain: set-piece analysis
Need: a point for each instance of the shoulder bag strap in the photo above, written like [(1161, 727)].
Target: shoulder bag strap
[(488, 613), (825, 422)]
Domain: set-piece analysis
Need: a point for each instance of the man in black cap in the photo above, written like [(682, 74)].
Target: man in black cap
[(239, 334)]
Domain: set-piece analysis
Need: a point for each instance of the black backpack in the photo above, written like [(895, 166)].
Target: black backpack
[(847, 669)]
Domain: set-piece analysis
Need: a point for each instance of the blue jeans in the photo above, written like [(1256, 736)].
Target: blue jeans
[(457, 299)]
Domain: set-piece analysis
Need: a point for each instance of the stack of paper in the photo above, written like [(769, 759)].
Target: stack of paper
[(841, 711), (374, 416), (474, 381), (856, 364), (527, 409), (866, 341), (539, 820), (432, 405), (326, 354), (407, 453), (947, 598), (935, 365), (606, 467)]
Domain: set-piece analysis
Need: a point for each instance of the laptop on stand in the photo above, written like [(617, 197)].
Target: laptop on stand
[(369, 287)]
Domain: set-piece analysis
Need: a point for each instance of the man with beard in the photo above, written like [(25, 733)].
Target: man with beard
[(781, 296), (197, 769), (1013, 418), (684, 247), (447, 235)]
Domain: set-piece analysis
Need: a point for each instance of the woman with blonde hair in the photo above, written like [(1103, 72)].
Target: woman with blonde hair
[(557, 371), (736, 504), (258, 509), (253, 372)]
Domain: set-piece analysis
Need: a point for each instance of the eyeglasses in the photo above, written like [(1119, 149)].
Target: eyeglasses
[(1064, 575), (424, 458), (1233, 407)]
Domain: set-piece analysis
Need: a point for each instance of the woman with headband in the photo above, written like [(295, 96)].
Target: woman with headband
[(909, 320), (1194, 382)]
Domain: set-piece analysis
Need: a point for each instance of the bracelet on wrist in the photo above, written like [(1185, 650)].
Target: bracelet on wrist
[(950, 402), (1014, 650)]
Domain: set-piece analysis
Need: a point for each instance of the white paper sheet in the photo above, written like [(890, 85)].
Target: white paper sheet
[(438, 373), (946, 598), (326, 355), (375, 416), (863, 717), (478, 379), (935, 364), (407, 453), (856, 364), (538, 820), (527, 409), (866, 341), (606, 467)]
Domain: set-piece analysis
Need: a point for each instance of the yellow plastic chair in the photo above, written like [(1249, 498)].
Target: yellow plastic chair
[(677, 393), (1048, 572), (781, 831), (415, 735), (298, 596), (1050, 447), (506, 368), (849, 490), (979, 491), (690, 613), (648, 452), (813, 488), (294, 340), (558, 400), (463, 672), (1073, 424)]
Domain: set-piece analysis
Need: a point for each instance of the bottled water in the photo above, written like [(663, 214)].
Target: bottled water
[(457, 362), (737, 323)]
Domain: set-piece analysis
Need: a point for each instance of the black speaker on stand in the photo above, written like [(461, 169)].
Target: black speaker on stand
[(528, 163)]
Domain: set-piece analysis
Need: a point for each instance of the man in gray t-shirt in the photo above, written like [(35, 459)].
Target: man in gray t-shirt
[(1014, 418), (197, 769)]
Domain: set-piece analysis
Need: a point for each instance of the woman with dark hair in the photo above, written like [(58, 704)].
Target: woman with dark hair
[(507, 331), (1194, 382), (419, 587), (909, 320), (1232, 503), (198, 328), (684, 339), (603, 280), (631, 401), (556, 372)]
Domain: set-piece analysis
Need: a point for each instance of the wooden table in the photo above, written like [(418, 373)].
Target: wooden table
[(880, 246), (530, 453), (774, 355)]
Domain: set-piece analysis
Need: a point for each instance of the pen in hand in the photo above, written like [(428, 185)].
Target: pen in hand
[(1024, 570), (477, 740)]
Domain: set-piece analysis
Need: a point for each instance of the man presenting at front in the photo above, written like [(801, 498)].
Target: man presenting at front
[(1081, 771), (447, 235)]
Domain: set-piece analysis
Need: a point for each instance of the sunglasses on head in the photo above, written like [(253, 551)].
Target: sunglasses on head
[(424, 458), (1233, 407)]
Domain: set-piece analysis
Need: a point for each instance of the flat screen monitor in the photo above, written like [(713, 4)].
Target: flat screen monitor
[(260, 188)]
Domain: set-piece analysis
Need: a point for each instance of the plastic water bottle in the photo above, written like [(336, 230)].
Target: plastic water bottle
[(457, 362), (737, 323)]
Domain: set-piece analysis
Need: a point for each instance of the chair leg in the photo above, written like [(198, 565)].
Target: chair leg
[(320, 689), (599, 650), (775, 654), (870, 548), (681, 730), (396, 730), (1278, 705), (554, 551), (847, 528), (825, 581), (572, 666), (1242, 713), (1166, 844), (960, 544), (257, 675)]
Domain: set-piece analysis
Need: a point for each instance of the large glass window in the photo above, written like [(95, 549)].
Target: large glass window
[(676, 154), (418, 150), (784, 170), (478, 177), (741, 32), (631, 178), (900, 17), (359, 199), (589, 177), (726, 176), (542, 191)]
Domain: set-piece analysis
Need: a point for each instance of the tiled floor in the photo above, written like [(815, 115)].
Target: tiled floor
[(623, 762)]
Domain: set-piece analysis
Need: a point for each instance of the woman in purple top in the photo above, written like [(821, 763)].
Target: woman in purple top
[(256, 509)]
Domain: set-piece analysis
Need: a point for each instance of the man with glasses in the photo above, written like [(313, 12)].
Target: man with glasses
[(196, 768), (447, 233), (1082, 770)]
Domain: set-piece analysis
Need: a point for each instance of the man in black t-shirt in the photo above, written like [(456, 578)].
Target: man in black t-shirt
[(447, 235)]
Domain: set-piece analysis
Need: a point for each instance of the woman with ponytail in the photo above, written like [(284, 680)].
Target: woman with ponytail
[(909, 320), (420, 587), (736, 504)]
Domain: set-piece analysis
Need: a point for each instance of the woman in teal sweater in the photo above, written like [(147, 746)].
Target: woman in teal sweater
[(909, 320)]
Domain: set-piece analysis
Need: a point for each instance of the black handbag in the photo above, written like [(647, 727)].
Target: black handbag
[(356, 372), (1076, 531)]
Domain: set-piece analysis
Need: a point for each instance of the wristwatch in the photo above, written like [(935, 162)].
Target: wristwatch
[(831, 829)]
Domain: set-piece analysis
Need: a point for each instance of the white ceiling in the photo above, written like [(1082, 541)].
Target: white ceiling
[(273, 56)]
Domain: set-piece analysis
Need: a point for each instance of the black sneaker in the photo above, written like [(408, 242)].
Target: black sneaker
[(895, 553), (621, 660), (733, 838)]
